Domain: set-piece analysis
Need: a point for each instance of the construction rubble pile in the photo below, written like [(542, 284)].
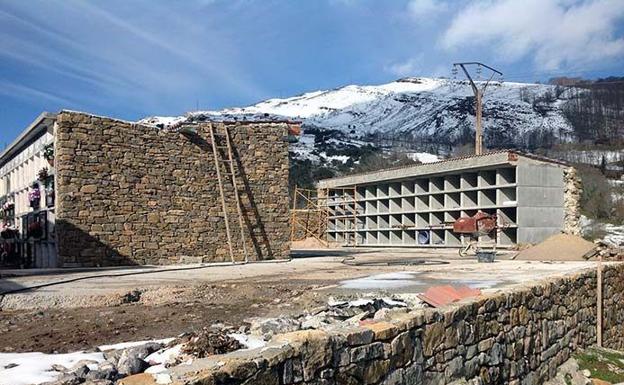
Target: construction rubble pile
[(609, 251), (155, 357)]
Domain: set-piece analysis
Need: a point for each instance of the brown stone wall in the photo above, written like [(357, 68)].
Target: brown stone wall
[(519, 336), (134, 194)]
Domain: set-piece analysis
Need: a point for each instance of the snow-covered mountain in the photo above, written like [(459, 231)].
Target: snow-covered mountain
[(411, 109)]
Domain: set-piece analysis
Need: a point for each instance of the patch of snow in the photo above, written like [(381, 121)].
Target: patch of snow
[(162, 378), (423, 157), (249, 341), (164, 355), (393, 302), (165, 121), (614, 233), (156, 369), (35, 368), (125, 345)]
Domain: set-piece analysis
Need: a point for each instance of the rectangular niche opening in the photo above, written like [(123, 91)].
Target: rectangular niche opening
[(451, 216), (507, 216), (507, 196), (407, 187), (408, 204), (383, 206), (371, 191), (422, 220), (487, 178), (507, 175), (409, 237), (371, 222), (487, 198), (452, 239), (452, 182), (396, 237), (437, 237), (409, 220), (394, 189), (360, 238), (436, 219), (452, 200), (395, 205), (360, 193), (436, 184), (384, 221), (422, 203), (395, 221), (421, 186), (469, 180), (372, 238), (469, 199), (382, 191), (436, 202), (508, 237)]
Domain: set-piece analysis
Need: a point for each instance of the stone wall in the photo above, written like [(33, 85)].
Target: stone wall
[(572, 201), (518, 336), (135, 194)]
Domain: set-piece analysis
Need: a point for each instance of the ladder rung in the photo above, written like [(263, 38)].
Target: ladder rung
[(224, 147), (225, 160)]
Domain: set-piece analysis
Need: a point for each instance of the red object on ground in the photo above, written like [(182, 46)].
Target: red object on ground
[(438, 296), (480, 223)]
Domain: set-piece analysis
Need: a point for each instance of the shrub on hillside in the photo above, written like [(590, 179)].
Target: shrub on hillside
[(597, 198)]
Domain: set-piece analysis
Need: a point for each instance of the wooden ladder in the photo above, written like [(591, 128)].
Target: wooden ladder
[(231, 176)]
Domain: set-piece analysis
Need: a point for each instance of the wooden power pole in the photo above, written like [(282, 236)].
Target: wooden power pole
[(478, 92)]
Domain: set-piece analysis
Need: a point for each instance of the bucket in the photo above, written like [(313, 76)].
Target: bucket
[(423, 237)]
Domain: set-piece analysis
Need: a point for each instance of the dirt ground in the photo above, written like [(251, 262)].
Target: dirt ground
[(105, 309), (65, 330)]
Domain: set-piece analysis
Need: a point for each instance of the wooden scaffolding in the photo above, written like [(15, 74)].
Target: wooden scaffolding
[(312, 210)]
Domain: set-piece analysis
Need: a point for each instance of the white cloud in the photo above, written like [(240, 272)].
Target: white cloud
[(409, 67), (426, 8), (557, 33)]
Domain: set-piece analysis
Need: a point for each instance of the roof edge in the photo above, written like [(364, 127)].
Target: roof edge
[(24, 135)]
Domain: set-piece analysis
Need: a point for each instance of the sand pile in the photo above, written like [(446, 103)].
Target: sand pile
[(560, 247), (308, 243)]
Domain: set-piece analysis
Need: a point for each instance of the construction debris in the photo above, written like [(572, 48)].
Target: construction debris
[(438, 296), (560, 247), (211, 341), (609, 251)]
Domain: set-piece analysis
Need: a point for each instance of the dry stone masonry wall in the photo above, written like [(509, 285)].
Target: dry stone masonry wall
[(135, 194), (519, 336), (572, 201)]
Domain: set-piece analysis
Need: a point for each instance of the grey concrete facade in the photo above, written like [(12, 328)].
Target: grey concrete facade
[(417, 205)]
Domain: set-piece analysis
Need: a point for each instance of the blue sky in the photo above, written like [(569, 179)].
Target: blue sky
[(130, 59)]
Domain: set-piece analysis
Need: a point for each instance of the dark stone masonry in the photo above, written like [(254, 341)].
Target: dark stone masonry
[(136, 194), (518, 336)]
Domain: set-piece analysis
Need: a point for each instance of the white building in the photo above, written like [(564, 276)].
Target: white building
[(20, 166)]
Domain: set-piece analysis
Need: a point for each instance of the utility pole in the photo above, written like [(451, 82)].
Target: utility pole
[(478, 92)]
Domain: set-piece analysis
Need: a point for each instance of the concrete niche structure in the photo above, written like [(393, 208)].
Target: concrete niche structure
[(533, 198)]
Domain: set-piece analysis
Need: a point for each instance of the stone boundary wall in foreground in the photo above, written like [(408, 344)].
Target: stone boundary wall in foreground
[(134, 194), (519, 336)]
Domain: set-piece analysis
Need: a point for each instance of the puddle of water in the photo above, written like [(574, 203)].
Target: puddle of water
[(382, 281)]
